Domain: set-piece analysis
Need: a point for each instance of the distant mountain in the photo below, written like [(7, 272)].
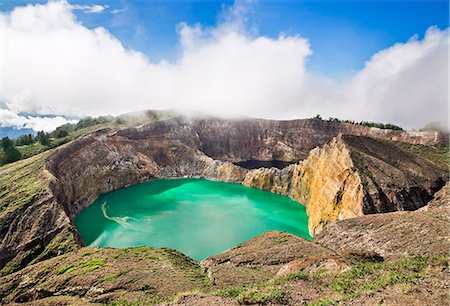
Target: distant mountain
[(13, 133)]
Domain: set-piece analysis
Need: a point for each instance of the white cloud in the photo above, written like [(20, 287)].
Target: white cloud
[(46, 124), (75, 71), (95, 8), (117, 11), (406, 83)]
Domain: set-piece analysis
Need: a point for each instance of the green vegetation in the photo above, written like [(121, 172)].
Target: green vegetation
[(112, 277), (10, 153), (385, 126), (256, 294), (438, 156), (26, 146), (62, 243), (88, 265), (265, 295), (21, 183), (368, 277), (43, 138), (363, 279), (24, 140)]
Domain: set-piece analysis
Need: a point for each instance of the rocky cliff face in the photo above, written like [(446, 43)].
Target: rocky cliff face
[(345, 178), (326, 183), (291, 140), (108, 160), (354, 175)]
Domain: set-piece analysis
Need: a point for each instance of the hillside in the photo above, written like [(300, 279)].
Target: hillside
[(68, 132)]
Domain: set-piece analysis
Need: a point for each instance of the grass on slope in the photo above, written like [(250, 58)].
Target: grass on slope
[(361, 281), (22, 182), (141, 275), (438, 156)]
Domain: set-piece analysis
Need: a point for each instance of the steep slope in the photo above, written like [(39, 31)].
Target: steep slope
[(355, 175), (397, 176), (33, 226)]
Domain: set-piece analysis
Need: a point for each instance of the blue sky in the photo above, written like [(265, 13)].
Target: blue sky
[(343, 34)]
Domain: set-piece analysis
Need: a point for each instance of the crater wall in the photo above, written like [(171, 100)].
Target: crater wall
[(347, 176)]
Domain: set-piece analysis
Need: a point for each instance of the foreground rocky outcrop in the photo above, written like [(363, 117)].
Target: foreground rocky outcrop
[(394, 235), (347, 176), (143, 274), (261, 258)]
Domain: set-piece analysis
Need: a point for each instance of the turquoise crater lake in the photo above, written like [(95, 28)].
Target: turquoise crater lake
[(195, 216)]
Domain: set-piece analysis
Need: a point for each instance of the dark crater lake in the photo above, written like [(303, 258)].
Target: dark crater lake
[(195, 216), (255, 164)]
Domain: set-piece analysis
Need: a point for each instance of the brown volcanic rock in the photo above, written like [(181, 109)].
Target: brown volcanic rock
[(354, 175), (289, 140), (439, 206), (396, 234), (397, 176), (260, 258)]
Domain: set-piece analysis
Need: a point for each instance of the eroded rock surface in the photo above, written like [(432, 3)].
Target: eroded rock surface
[(354, 175), (289, 140), (393, 235)]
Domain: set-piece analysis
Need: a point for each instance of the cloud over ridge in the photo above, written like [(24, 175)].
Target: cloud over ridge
[(52, 64)]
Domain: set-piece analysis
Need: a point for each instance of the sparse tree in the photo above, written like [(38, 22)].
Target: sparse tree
[(43, 138), (10, 152), (24, 140)]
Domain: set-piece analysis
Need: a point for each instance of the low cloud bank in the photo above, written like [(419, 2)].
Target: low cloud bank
[(46, 124)]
